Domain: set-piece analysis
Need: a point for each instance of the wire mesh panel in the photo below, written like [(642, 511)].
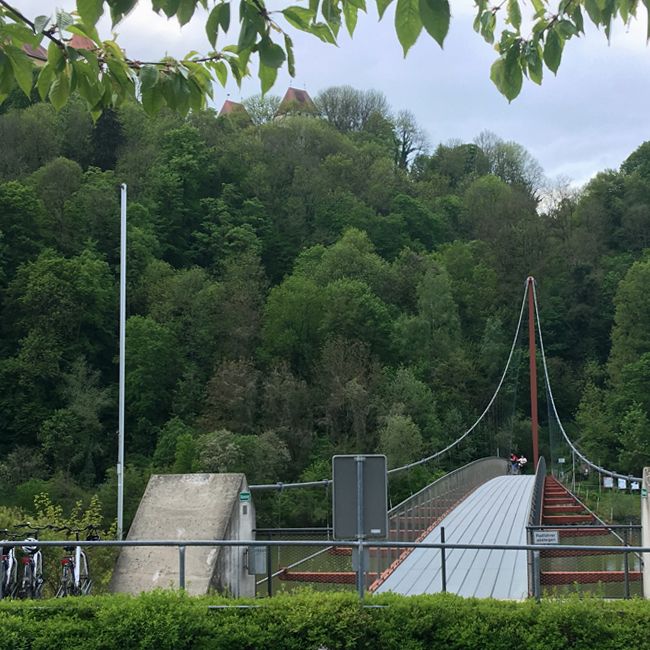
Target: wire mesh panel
[(290, 568), (592, 571)]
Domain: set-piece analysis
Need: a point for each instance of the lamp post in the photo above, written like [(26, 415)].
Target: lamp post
[(120, 452)]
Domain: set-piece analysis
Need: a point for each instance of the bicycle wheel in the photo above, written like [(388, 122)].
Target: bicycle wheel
[(27, 585), (63, 585)]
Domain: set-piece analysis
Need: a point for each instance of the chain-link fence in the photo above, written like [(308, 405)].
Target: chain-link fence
[(584, 570)]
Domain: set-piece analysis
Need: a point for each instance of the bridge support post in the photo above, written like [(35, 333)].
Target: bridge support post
[(533, 370)]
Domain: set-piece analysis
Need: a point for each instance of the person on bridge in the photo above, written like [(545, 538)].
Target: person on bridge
[(514, 463), (522, 463)]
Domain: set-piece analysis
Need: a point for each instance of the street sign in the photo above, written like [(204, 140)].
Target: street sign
[(546, 537), (561, 461), (244, 496), (346, 471), (644, 492)]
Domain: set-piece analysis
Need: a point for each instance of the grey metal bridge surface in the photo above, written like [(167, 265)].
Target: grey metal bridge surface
[(495, 513)]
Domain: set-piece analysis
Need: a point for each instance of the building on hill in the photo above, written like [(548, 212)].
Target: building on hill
[(38, 53), (235, 110), (296, 102)]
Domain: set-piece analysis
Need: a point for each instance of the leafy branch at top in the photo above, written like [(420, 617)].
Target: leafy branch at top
[(103, 75)]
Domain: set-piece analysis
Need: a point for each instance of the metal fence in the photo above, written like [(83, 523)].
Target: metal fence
[(625, 556), (609, 566)]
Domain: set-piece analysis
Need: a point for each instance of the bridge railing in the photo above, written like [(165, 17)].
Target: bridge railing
[(183, 550), (416, 516), (535, 519)]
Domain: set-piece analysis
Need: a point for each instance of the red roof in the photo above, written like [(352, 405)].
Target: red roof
[(38, 52), (230, 107), (81, 42), (296, 101)]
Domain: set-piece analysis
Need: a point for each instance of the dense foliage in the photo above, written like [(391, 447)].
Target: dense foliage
[(298, 288), (172, 620)]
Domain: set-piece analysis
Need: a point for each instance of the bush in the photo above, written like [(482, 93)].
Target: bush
[(312, 621)]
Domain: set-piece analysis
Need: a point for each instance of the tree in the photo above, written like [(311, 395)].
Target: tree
[(349, 109), (262, 108), (104, 76), (410, 139)]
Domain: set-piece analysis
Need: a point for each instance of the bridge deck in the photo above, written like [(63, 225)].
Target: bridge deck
[(495, 513)]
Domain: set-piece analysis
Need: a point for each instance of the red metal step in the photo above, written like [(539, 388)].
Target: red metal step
[(561, 520), (586, 577), (561, 508), (330, 577)]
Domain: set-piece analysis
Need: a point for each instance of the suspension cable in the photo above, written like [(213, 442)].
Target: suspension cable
[(326, 482), (487, 408), (598, 468)]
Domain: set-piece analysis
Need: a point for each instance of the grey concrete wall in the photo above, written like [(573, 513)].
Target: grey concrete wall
[(183, 507)]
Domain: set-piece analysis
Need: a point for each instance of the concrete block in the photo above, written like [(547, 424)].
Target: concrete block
[(185, 507)]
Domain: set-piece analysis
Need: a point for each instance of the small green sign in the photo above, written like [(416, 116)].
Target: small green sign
[(644, 492), (244, 496)]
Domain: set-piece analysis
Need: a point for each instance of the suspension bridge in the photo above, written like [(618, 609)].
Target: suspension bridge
[(482, 503)]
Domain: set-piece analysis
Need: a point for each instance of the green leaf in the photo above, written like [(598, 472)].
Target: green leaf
[(291, 61), (647, 6), (271, 54), (87, 82), (322, 31), (267, 76), (55, 57), (382, 5), (408, 23), (566, 29), (153, 100), (514, 14), (22, 69), (350, 13), (247, 34), (539, 7), (332, 15), (148, 77), (63, 20), (185, 11), (219, 17), (40, 23), (534, 61), (553, 51), (6, 76), (435, 15), (45, 79), (60, 90), (220, 71), (594, 11), (90, 11), (507, 75), (120, 8), (298, 17)]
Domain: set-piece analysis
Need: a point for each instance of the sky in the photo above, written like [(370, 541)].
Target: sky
[(588, 118)]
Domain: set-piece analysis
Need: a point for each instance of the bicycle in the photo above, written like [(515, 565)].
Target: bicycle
[(31, 585), (8, 567), (75, 573)]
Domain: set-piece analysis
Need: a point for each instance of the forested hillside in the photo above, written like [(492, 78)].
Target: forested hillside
[(298, 288)]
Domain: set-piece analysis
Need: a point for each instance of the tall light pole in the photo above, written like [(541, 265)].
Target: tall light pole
[(120, 451)]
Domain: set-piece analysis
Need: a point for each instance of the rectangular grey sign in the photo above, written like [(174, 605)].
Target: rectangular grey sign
[(375, 496)]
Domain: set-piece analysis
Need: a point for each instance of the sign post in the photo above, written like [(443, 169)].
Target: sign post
[(360, 503)]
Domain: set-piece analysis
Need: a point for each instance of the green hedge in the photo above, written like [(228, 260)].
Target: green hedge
[(311, 621)]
